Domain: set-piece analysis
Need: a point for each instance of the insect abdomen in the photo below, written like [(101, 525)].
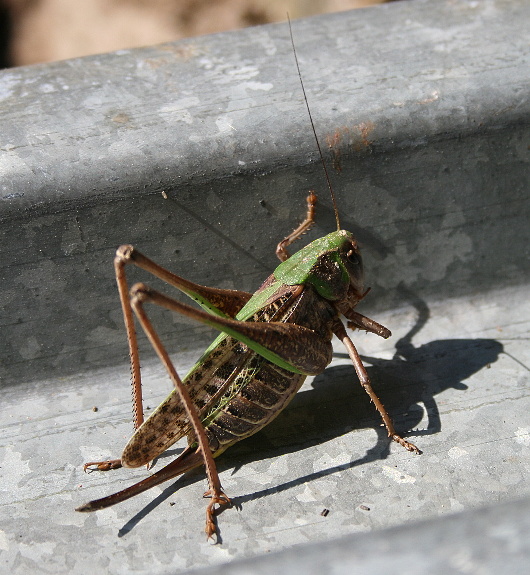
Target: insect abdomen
[(255, 405)]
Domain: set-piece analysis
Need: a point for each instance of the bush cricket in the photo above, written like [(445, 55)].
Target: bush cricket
[(269, 342)]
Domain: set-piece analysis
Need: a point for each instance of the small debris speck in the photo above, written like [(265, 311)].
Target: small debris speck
[(324, 512)]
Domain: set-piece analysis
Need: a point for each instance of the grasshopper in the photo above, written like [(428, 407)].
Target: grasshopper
[(269, 342)]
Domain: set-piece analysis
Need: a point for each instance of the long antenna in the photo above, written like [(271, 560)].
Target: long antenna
[(313, 127)]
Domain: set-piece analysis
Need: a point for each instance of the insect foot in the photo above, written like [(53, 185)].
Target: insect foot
[(218, 498), (406, 444), (102, 465)]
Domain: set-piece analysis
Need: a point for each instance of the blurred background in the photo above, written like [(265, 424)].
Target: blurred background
[(34, 31)]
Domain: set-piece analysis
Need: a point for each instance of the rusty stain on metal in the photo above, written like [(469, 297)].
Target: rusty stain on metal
[(334, 141), (347, 137), (182, 51), (170, 53), (366, 128)]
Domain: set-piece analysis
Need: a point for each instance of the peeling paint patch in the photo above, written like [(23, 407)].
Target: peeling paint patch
[(224, 124), (433, 97), (4, 543), (179, 110), (307, 496), (522, 435), (456, 452), (36, 551), (19, 468), (397, 475)]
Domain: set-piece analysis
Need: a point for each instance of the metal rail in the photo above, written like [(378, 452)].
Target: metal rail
[(201, 154)]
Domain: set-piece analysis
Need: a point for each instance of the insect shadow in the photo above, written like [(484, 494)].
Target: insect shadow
[(336, 404)]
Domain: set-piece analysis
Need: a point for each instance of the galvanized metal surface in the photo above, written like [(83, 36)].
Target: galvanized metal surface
[(425, 108), (489, 541)]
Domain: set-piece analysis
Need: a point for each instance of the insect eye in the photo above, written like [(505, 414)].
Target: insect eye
[(351, 256)]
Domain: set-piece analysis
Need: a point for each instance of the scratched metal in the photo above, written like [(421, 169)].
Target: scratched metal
[(424, 106)]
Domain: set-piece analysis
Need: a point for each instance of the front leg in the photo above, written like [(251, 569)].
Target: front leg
[(281, 250), (359, 321), (340, 332)]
